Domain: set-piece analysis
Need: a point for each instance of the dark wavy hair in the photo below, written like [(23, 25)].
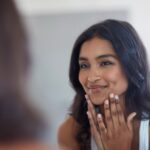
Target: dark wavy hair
[(18, 120), (132, 55)]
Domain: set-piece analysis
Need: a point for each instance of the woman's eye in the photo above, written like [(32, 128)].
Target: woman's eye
[(105, 63), (83, 66)]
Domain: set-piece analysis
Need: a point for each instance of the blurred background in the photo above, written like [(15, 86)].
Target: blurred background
[(53, 26)]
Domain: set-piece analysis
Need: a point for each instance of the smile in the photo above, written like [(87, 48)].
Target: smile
[(96, 89)]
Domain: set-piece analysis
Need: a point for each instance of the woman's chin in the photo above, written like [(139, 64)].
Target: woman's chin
[(97, 100), (99, 97)]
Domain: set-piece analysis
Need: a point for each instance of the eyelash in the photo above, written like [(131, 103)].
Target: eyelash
[(101, 64), (84, 66), (105, 63)]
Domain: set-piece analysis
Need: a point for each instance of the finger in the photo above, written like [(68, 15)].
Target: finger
[(102, 129), (121, 117), (114, 112), (94, 130), (108, 118), (91, 108), (130, 121), (101, 125)]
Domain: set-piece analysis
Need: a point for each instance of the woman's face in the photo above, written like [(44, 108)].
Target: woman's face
[(100, 70)]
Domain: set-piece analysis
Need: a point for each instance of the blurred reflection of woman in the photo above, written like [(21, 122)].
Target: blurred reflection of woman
[(21, 127)]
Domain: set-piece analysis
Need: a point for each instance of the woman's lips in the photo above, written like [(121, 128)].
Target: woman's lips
[(96, 89)]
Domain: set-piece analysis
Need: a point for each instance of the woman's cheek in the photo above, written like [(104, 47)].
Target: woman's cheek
[(110, 76)]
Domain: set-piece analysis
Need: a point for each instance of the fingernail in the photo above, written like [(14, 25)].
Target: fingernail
[(132, 116), (117, 97), (106, 102), (86, 96), (88, 114), (99, 116), (111, 95), (134, 113)]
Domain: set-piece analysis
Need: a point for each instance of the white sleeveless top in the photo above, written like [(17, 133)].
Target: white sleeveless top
[(143, 137)]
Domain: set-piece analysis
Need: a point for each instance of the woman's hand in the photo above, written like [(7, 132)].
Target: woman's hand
[(113, 132)]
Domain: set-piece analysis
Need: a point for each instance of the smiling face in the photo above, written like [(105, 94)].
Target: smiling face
[(100, 70)]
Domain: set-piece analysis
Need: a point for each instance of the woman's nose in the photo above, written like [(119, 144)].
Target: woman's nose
[(94, 76)]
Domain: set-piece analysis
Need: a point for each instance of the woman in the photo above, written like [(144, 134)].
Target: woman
[(109, 73)]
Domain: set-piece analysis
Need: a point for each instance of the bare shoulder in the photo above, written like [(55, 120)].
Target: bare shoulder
[(66, 134)]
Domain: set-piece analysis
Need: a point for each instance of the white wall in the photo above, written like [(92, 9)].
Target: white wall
[(139, 10)]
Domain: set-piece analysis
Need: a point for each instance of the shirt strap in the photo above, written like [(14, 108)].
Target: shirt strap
[(144, 135)]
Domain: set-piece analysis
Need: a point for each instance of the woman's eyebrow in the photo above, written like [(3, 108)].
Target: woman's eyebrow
[(106, 55), (83, 59), (98, 57)]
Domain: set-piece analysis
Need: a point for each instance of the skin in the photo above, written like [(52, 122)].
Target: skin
[(66, 134), (100, 71), (111, 131)]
